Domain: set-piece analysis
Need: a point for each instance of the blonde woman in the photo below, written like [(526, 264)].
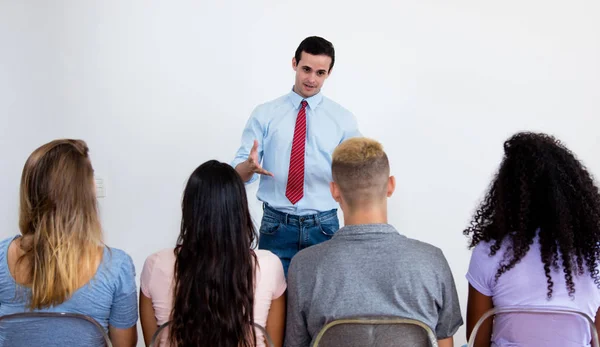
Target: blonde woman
[(59, 261)]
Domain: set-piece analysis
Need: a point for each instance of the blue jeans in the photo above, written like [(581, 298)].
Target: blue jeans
[(286, 234)]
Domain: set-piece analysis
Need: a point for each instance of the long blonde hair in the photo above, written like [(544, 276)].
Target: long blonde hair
[(59, 221)]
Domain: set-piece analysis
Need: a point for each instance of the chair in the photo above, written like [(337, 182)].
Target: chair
[(160, 333), (375, 332), (545, 325), (53, 329)]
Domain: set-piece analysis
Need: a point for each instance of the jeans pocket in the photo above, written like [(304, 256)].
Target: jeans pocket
[(269, 226), (329, 228)]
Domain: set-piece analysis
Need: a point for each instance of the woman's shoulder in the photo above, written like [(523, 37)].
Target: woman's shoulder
[(158, 268), (4, 271), (4, 245), (117, 263), (5, 242), (116, 255), (269, 264), (270, 275), (267, 258), (483, 249), (167, 254), (163, 259)]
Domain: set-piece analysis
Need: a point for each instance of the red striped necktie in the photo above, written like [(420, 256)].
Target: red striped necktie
[(294, 190)]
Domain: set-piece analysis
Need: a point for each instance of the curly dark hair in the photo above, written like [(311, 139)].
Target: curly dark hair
[(213, 295), (541, 186)]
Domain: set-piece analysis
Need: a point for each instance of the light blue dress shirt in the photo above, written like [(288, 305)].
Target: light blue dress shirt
[(272, 125)]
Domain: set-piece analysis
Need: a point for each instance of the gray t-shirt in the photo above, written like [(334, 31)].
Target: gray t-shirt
[(369, 270)]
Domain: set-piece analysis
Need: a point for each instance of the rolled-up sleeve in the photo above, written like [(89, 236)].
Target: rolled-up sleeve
[(254, 130), (350, 128)]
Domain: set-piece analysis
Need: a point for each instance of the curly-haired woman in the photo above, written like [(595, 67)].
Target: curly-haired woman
[(536, 239)]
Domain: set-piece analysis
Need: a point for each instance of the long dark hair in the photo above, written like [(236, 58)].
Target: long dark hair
[(214, 269), (541, 186)]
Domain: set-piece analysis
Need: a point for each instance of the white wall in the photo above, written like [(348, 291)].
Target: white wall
[(156, 88)]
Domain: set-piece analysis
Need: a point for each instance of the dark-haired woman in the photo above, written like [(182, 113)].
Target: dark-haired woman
[(213, 287), (536, 240)]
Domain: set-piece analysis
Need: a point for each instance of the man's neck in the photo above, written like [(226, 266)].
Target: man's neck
[(366, 216), (295, 91)]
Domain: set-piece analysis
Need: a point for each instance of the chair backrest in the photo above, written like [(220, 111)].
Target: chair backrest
[(541, 325), (376, 332), (160, 336), (51, 329)]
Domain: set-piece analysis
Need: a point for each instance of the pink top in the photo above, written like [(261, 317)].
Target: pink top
[(157, 280)]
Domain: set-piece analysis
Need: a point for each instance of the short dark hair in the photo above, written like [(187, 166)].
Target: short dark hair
[(316, 45)]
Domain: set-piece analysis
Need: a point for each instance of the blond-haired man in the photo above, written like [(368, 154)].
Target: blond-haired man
[(368, 268)]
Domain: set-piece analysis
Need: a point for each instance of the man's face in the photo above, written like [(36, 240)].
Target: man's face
[(311, 73)]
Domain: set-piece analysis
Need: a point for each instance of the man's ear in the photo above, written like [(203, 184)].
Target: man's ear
[(391, 186), (335, 191), (294, 63)]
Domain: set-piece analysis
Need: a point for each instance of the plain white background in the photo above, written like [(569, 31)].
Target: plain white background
[(156, 88)]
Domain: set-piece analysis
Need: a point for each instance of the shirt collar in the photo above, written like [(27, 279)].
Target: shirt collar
[(366, 229), (313, 101)]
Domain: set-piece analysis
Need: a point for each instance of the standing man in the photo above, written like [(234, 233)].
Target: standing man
[(289, 142)]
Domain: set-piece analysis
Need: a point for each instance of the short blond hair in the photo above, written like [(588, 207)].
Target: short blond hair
[(361, 169)]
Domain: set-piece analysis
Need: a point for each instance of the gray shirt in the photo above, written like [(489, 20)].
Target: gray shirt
[(369, 270)]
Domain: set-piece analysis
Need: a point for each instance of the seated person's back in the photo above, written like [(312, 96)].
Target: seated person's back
[(156, 284), (536, 242), (58, 263), (213, 288), (109, 296), (368, 268)]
